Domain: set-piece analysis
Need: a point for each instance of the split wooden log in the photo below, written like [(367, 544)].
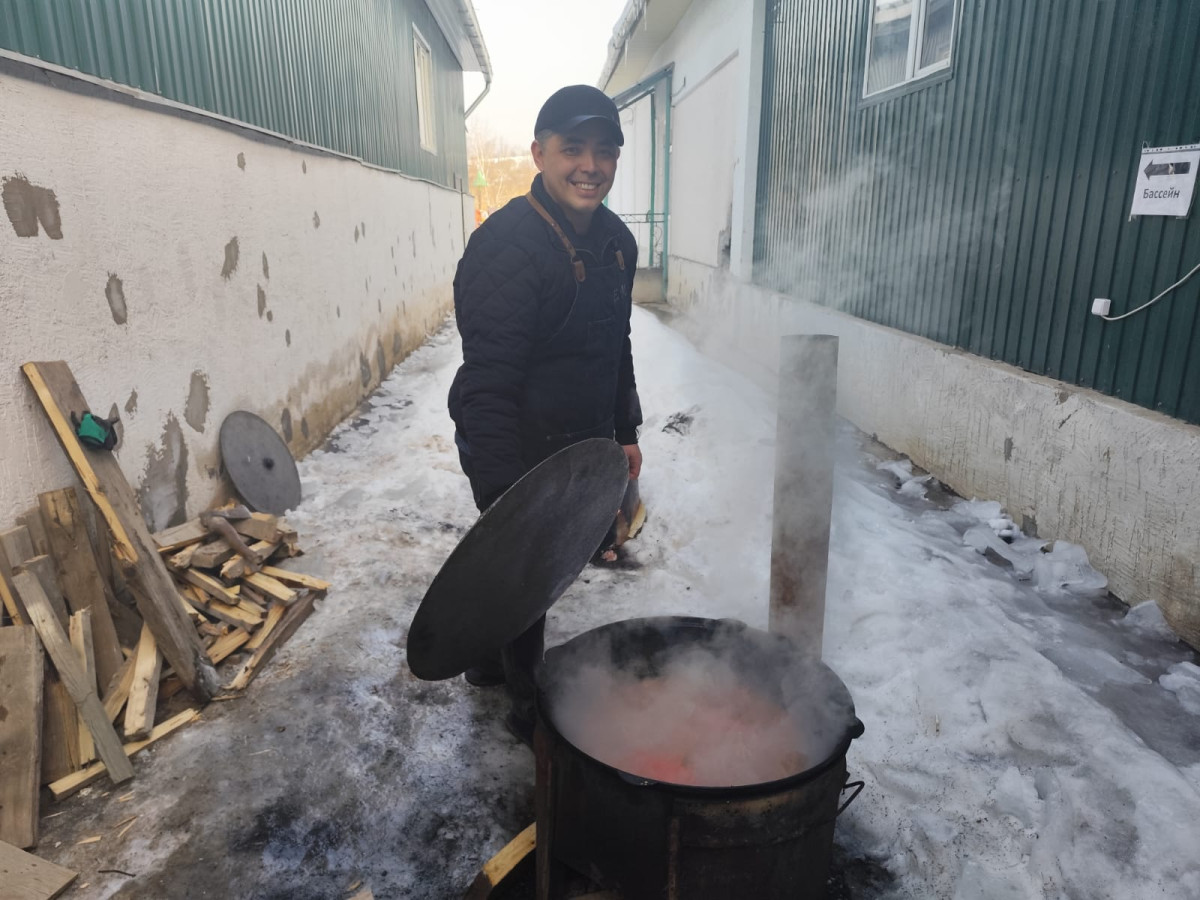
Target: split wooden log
[(21, 673), (171, 539), (148, 578), (231, 613), (260, 526), (79, 574), (76, 781), (108, 746), (271, 587), (210, 555), (183, 559), (297, 578), (500, 866), (143, 692), (227, 644), (274, 614), (210, 586), (291, 620), (26, 877), (237, 567), (81, 641)]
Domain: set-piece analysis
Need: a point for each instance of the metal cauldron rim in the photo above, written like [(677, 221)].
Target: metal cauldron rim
[(854, 728)]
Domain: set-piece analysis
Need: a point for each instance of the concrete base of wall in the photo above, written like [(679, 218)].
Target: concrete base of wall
[(1066, 463)]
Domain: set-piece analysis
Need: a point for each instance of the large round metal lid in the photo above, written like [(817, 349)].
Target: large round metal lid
[(517, 559), (259, 464)]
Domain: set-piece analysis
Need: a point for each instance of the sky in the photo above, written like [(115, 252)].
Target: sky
[(1026, 736), (536, 47)]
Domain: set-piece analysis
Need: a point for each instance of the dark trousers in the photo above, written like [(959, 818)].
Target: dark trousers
[(520, 657)]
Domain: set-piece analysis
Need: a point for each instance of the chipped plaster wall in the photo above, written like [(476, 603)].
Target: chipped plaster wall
[(186, 269), (1066, 462)]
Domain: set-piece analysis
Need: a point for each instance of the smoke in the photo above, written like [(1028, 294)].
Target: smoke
[(688, 702)]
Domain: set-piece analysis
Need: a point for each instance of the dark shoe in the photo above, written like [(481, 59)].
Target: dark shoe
[(521, 729), (484, 676)]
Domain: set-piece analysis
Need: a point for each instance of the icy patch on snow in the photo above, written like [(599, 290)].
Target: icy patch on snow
[(1066, 568), (1183, 679), (1147, 619)]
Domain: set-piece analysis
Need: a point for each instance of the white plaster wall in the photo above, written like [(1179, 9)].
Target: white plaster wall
[(709, 48), (1087, 468), (155, 199), (702, 168)]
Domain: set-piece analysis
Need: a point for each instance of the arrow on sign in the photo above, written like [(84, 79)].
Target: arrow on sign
[(1171, 168)]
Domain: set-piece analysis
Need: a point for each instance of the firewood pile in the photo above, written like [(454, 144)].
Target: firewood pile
[(112, 638), (227, 565)]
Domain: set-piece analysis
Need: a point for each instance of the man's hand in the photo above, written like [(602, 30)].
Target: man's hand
[(634, 455)]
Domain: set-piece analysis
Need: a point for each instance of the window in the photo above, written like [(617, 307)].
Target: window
[(425, 109), (909, 39)]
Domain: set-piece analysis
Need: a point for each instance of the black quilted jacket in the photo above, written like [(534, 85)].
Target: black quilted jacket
[(513, 290)]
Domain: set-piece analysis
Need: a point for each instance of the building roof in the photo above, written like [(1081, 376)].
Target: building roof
[(457, 20), (641, 29)]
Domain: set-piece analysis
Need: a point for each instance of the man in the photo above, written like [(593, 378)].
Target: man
[(543, 296)]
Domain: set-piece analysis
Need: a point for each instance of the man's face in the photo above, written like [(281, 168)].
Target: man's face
[(578, 168)]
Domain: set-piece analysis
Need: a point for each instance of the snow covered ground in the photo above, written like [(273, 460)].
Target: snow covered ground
[(1025, 735)]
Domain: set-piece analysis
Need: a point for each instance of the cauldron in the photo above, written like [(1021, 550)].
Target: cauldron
[(651, 838), (647, 837)]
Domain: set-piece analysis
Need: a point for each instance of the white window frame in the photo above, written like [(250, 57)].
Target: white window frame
[(916, 35), (426, 110)]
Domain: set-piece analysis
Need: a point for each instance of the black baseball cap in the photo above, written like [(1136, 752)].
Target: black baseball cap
[(570, 107)]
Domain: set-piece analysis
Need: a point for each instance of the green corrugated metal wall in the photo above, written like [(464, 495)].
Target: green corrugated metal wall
[(986, 210), (335, 73)]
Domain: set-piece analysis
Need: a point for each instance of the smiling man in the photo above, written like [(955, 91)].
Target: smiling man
[(542, 297)]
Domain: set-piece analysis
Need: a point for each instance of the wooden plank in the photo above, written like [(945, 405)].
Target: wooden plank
[(171, 539), (21, 691), (148, 578), (272, 587), (143, 693), (292, 619), (26, 877), (8, 597), (76, 781), (234, 615), (15, 548), (117, 691), (496, 869), (79, 574), (43, 568), (31, 521), (297, 578), (227, 644), (81, 641), (60, 729), (108, 746)]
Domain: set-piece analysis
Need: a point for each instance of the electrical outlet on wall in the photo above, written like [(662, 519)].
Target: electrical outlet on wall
[(1101, 306)]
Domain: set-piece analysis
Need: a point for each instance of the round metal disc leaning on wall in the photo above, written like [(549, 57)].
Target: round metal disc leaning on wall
[(259, 464)]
